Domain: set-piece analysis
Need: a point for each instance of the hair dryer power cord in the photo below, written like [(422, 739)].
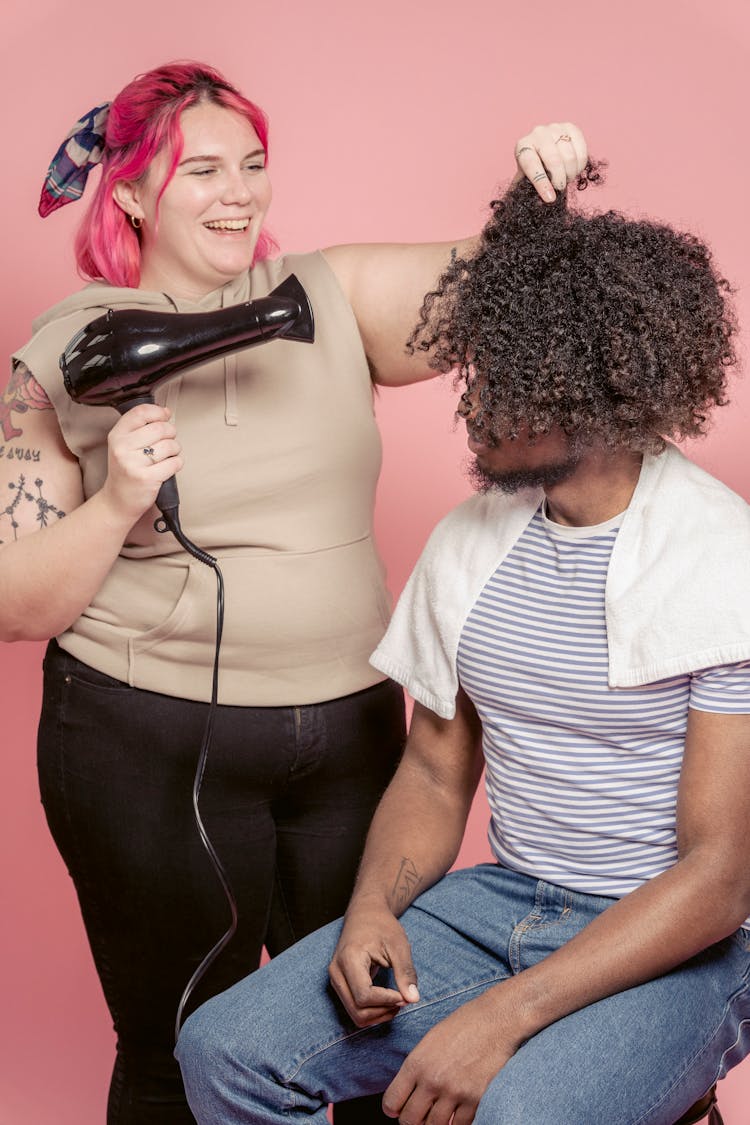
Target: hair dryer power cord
[(172, 523)]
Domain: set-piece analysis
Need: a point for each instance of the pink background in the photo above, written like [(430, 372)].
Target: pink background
[(388, 121)]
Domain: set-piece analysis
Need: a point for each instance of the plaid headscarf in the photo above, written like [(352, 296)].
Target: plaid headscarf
[(80, 151)]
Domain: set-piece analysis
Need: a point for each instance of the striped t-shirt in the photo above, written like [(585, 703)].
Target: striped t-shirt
[(581, 778)]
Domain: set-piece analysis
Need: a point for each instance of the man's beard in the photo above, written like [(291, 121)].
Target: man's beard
[(512, 481)]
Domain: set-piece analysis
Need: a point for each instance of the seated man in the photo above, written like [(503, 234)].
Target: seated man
[(580, 628)]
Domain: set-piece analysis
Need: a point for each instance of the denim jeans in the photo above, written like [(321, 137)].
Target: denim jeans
[(287, 798), (277, 1046)]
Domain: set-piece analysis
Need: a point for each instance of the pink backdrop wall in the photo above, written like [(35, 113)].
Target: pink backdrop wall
[(389, 121)]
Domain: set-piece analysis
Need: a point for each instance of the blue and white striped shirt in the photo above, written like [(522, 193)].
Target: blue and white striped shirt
[(581, 778)]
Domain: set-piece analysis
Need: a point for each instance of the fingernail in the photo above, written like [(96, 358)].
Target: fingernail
[(412, 992), (549, 193)]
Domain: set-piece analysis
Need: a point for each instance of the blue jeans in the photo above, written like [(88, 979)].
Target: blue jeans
[(278, 1046), (287, 798)]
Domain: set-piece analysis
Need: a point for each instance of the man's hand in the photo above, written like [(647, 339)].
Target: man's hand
[(551, 156), (372, 939), (450, 1069)]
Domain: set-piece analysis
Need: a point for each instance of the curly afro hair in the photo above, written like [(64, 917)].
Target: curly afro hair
[(617, 330)]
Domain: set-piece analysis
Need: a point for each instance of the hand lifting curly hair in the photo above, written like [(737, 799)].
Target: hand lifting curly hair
[(618, 331)]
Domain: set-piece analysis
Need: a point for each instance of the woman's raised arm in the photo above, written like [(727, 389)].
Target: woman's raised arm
[(386, 283)]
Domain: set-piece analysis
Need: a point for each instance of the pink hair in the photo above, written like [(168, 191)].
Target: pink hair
[(143, 119)]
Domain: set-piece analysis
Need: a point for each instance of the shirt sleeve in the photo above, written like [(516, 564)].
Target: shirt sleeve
[(724, 690)]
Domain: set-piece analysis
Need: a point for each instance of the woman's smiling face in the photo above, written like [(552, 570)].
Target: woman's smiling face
[(204, 229)]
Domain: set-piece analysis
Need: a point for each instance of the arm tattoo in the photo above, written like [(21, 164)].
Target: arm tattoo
[(20, 493), (20, 453), (22, 393), (405, 886)]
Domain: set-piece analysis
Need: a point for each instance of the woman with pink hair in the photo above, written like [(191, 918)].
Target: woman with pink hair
[(278, 455)]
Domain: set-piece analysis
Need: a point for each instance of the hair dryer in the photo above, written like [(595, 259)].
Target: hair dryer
[(119, 358)]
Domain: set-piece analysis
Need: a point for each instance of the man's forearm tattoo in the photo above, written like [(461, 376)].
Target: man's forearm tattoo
[(22, 393), (20, 493), (405, 886)]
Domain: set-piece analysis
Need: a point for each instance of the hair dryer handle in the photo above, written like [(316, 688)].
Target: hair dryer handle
[(168, 503), (168, 497)]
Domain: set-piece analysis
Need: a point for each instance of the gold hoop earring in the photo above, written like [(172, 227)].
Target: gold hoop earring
[(136, 222)]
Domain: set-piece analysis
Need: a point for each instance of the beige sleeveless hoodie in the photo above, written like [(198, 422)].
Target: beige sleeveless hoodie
[(282, 456)]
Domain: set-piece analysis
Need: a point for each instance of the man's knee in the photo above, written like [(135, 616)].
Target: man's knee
[(204, 1050), (226, 1063), (239, 1044)]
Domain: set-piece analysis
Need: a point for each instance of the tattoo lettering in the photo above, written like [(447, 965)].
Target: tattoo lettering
[(21, 493), (22, 393), (406, 884), (19, 453)]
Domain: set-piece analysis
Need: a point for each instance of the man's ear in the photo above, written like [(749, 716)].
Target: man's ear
[(125, 195)]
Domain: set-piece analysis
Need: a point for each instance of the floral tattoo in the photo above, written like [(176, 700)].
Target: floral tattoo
[(20, 494)]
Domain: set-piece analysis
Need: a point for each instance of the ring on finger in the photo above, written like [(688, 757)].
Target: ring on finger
[(563, 137), (149, 452), (524, 148)]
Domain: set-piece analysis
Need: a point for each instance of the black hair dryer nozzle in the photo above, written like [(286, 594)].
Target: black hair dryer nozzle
[(122, 356), (125, 353)]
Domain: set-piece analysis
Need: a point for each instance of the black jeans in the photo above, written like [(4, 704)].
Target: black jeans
[(287, 797)]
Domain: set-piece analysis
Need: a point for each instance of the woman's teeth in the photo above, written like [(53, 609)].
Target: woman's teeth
[(228, 224)]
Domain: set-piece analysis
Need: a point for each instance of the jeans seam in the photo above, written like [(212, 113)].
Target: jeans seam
[(287, 1078), (689, 1063), (534, 920), (284, 905), (103, 962), (733, 1044)]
